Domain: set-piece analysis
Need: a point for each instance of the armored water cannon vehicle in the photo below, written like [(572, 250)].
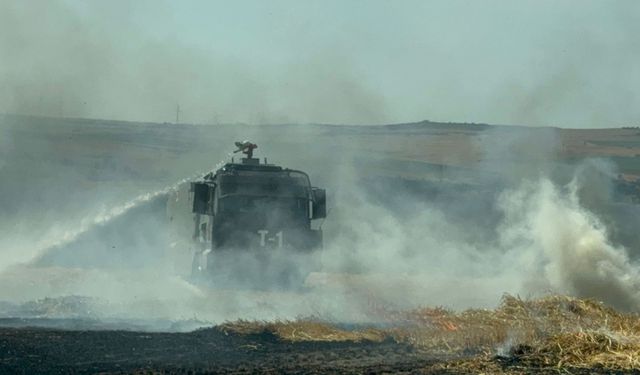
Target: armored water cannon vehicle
[(254, 206)]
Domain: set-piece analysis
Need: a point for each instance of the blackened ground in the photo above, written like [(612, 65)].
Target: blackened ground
[(37, 350), (212, 351)]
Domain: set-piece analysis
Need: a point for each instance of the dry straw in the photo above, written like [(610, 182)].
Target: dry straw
[(550, 332)]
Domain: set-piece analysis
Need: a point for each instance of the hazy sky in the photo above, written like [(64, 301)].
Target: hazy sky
[(562, 63)]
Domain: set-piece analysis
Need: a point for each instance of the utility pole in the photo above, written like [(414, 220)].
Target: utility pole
[(178, 114)]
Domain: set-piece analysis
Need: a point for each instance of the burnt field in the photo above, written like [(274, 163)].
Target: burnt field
[(29, 350), (543, 336), (94, 277), (417, 187)]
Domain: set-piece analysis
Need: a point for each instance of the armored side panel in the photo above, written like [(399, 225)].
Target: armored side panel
[(319, 203), (203, 194)]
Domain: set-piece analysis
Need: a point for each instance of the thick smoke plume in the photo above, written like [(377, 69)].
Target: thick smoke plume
[(540, 240), (568, 246)]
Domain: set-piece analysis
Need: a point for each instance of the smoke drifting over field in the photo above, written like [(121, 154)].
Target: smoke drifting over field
[(570, 246), (390, 243), (531, 238), (84, 210)]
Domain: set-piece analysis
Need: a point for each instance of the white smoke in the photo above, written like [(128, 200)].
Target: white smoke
[(399, 253), (567, 246), (546, 241)]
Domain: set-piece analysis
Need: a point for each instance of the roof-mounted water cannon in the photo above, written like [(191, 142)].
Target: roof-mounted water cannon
[(247, 148)]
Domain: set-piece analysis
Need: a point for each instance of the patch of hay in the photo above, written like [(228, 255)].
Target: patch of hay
[(552, 331), (546, 333), (303, 330)]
